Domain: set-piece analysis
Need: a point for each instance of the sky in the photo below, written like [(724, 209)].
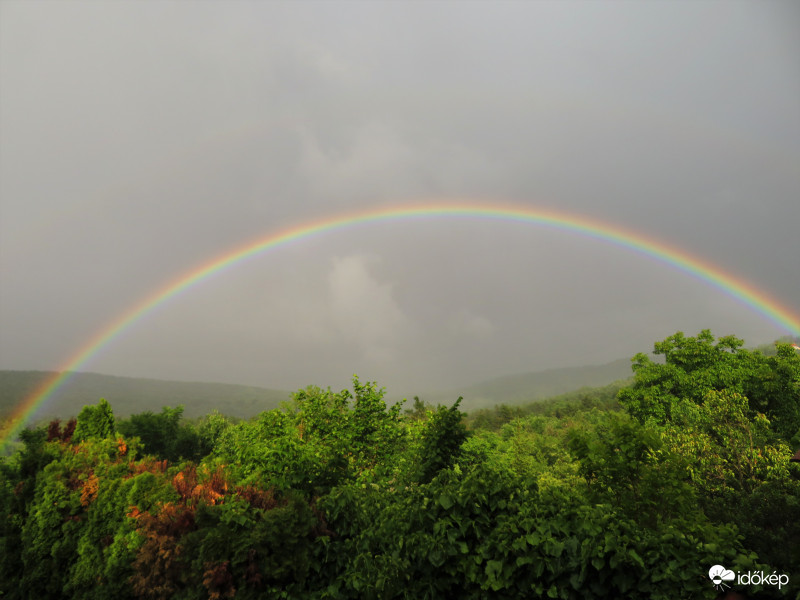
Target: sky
[(141, 140)]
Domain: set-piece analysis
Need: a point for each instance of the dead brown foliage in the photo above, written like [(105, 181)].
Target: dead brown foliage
[(218, 580)]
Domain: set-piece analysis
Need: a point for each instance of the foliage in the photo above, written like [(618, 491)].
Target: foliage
[(163, 435), (742, 473), (419, 409), (441, 441), (319, 440), (488, 533), (728, 413), (564, 405), (694, 366), (337, 496), (209, 430), (222, 538), (95, 422)]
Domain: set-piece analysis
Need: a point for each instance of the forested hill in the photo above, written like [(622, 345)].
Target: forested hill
[(130, 395), (522, 388)]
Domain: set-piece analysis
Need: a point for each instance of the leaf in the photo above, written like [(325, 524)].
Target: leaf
[(446, 501), (436, 557), (636, 558)]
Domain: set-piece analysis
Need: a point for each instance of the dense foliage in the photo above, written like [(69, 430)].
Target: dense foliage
[(336, 495)]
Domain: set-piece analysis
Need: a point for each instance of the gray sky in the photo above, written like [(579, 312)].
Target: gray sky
[(139, 140)]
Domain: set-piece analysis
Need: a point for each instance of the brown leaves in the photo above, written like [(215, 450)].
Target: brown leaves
[(162, 564), (258, 498), (211, 489), (89, 491), (218, 580), (55, 433), (157, 568), (252, 574), (54, 430), (171, 521), (148, 465)]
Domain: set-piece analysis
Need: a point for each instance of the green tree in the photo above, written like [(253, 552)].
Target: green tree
[(727, 413), (627, 464), (318, 440), (742, 473), (419, 410), (95, 422), (442, 437), (209, 430), (376, 431), (694, 366), (774, 389), (19, 477), (163, 435)]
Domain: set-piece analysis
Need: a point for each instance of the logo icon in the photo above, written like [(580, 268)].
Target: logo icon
[(719, 575)]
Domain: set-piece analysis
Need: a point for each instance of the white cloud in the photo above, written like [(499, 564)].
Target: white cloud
[(364, 310), (467, 324)]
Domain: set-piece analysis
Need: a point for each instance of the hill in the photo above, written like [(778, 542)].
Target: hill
[(522, 388), (130, 395)]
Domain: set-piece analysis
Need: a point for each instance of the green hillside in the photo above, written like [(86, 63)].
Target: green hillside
[(522, 388), (130, 395)]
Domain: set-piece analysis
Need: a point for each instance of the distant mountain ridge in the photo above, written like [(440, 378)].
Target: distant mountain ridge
[(521, 388), (131, 395)]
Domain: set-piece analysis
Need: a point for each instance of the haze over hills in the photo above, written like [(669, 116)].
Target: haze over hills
[(130, 395), (521, 388)]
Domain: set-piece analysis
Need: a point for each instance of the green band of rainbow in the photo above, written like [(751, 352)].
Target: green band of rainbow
[(737, 288)]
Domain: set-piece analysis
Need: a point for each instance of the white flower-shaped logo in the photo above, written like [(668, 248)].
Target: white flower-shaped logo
[(719, 574)]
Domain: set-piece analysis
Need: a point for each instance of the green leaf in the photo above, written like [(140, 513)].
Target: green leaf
[(446, 501)]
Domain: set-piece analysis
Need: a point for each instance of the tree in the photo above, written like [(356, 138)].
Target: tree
[(626, 464), (775, 390), (695, 366), (163, 435), (419, 410), (375, 429), (727, 413), (317, 440), (441, 441), (95, 422), (741, 473)]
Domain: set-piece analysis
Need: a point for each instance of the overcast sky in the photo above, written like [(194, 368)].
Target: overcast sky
[(139, 140)]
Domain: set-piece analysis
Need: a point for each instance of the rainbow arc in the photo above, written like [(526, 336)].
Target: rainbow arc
[(752, 297)]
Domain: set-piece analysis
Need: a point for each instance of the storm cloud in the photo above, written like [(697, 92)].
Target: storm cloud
[(139, 141)]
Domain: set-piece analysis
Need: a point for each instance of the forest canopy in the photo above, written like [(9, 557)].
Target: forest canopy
[(615, 493)]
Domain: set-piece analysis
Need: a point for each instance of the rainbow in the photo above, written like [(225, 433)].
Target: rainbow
[(691, 265)]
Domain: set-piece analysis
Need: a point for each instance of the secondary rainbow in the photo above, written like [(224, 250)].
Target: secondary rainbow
[(748, 294)]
